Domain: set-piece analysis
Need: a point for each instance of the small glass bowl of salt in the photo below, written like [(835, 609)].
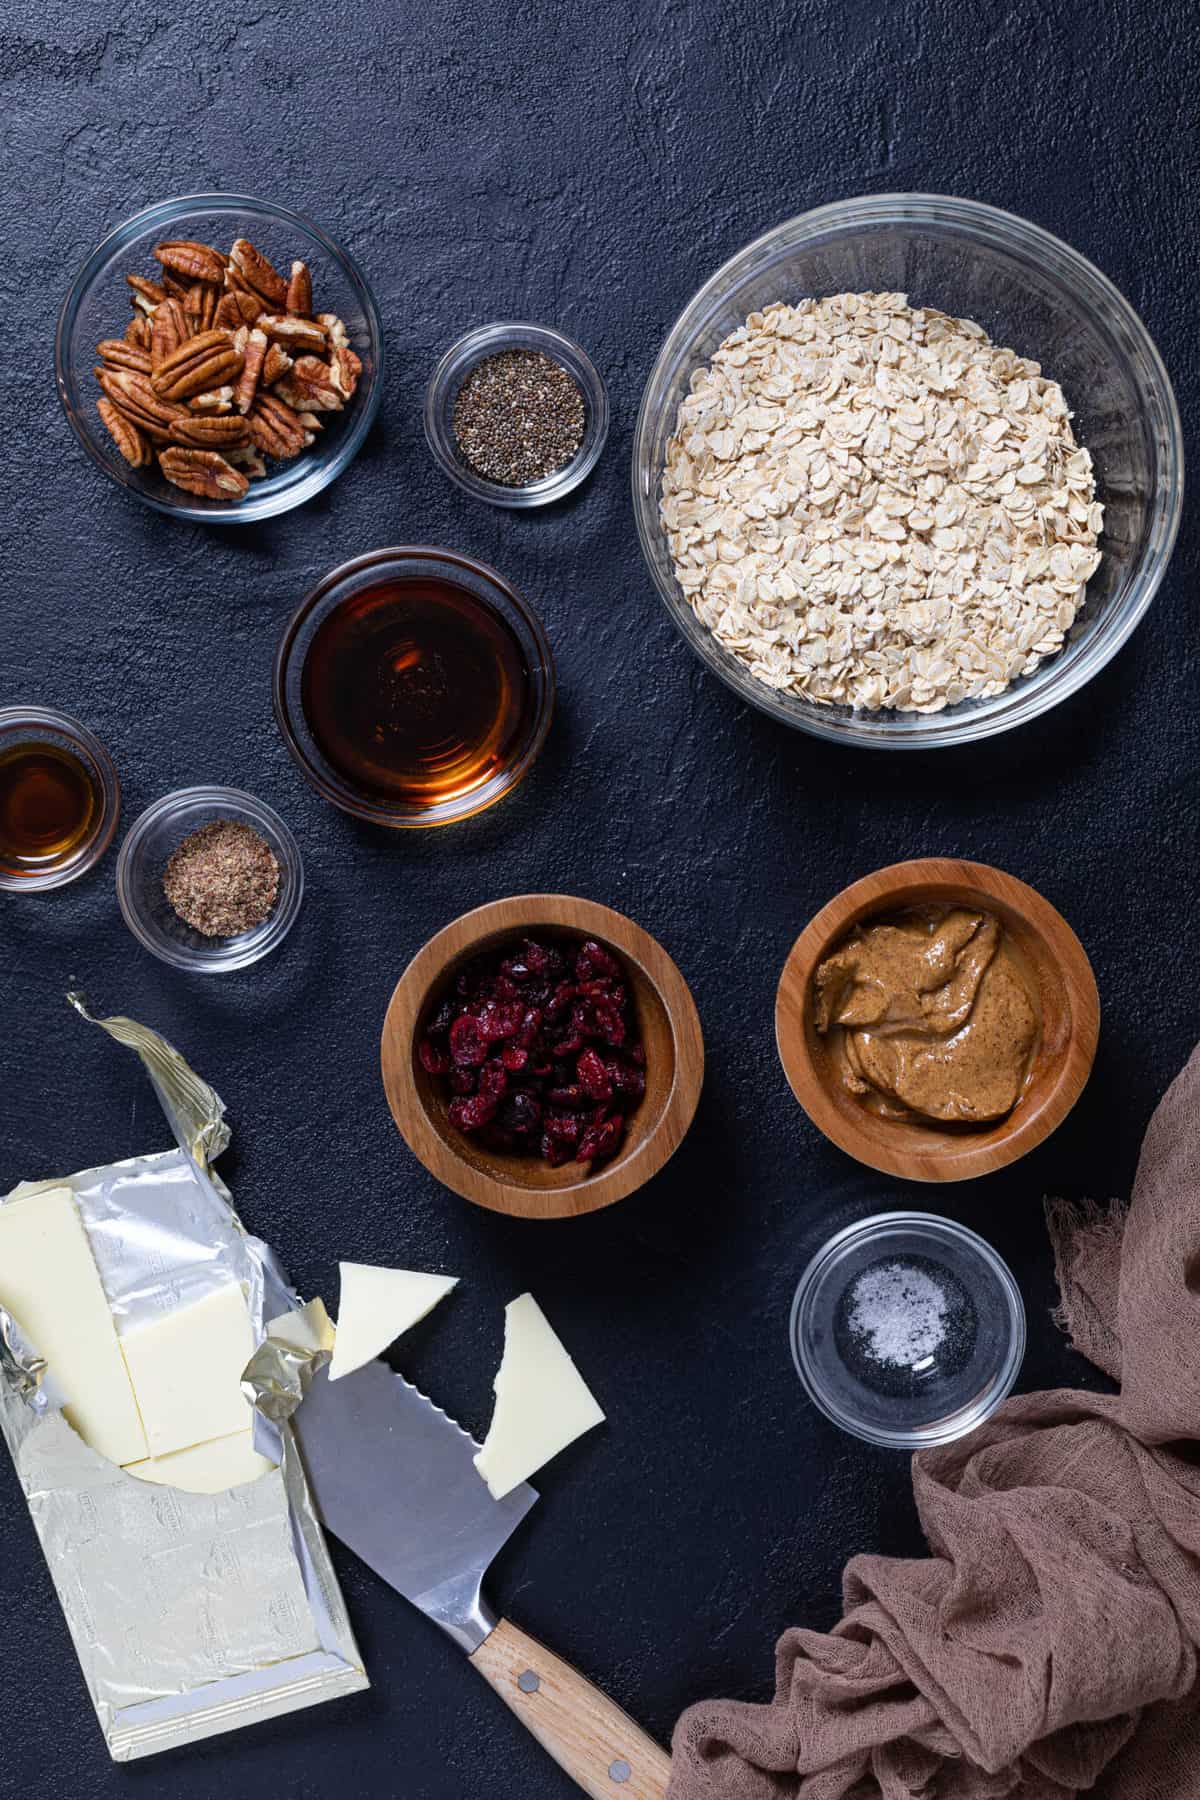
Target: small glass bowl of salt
[(907, 1330)]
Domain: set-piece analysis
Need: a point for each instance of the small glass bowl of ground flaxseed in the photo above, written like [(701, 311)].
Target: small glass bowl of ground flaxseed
[(209, 879), (516, 414)]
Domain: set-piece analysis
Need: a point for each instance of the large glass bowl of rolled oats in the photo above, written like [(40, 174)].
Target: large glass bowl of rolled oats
[(220, 358), (907, 472)]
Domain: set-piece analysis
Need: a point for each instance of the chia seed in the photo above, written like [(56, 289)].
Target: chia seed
[(223, 879), (518, 417)]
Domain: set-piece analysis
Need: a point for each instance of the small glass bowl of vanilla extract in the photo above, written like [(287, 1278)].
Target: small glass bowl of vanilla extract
[(414, 687), (59, 799)]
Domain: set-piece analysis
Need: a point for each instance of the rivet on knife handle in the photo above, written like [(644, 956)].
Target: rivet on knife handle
[(588, 1735)]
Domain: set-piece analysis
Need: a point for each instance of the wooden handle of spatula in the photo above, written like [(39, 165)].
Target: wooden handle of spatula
[(589, 1736)]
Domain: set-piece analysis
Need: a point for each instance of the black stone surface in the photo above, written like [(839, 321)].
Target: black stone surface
[(587, 166)]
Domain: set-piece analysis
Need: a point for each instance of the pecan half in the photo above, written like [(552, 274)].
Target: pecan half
[(203, 472), (132, 444), (345, 369), (258, 273), (228, 316), (132, 394), (137, 332), (254, 349), (249, 459), (116, 353), (217, 400), (334, 330), (204, 362), (168, 330), (299, 290), (193, 261), (201, 305), (296, 335), (309, 385), (146, 295), (277, 363), (213, 431), (275, 428), (175, 285)]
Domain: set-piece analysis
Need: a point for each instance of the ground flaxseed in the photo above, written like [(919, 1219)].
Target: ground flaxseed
[(223, 879), (518, 417)]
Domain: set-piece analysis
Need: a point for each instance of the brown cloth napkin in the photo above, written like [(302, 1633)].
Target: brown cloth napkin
[(1047, 1646)]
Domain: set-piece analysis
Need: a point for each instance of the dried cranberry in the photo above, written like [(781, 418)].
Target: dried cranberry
[(600, 1139), (593, 1076), (554, 1152), (592, 960), (500, 1019), (514, 1058), (610, 1025), (521, 1112), (468, 1046), (566, 1096), (442, 1020), (527, 1031), (434, 1060), (493, 1079), (565, 1126), (463, 1081), (629, 1082), (471, 1114)]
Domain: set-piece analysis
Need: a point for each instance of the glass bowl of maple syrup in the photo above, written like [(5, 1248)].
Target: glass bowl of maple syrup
[(414, 687), (59, 798)]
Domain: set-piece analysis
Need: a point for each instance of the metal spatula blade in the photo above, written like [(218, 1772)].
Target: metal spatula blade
[(393, 1478)]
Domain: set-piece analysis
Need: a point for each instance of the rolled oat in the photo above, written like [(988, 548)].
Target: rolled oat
[(873, 505)]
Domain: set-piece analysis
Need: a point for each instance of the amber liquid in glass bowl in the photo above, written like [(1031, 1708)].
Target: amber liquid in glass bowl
[(417, 691), (49, 801)]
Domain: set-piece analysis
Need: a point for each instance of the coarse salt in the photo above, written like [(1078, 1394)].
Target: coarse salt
[(901, 1312)]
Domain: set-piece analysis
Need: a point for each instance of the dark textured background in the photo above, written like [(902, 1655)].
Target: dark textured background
[(586, 165)]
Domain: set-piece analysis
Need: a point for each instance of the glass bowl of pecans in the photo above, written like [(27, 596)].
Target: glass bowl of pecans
[(220, 357)]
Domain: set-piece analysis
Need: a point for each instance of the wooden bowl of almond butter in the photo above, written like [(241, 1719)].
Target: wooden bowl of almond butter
[(937, 1019), (219, 357)]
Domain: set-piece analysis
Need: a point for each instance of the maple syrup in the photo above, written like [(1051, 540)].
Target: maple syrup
[(49, 804), (417, 691)]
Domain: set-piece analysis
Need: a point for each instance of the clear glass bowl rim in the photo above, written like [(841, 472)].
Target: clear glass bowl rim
[(227, 953), (48, 718), (515, 334), (325, 594), (164, 213), (1017, 705), (967, 1418)]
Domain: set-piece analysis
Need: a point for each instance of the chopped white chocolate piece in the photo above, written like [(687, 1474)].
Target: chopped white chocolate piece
[(49, 1282), (378, 1306), (542, 1401), (186, 1370), (210, 1468)]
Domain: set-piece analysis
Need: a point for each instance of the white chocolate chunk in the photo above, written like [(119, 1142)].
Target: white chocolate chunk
[(378, 1306), (210, 1468), (186, 1370), (542, 1401), (50, 1284)]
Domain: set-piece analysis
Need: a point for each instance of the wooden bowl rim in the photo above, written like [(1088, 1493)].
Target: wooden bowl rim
[(588, 1193), (884, 890)]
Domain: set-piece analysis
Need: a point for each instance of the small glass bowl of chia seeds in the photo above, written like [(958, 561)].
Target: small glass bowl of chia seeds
[(209, 879), (516, 414), (907, 1330)]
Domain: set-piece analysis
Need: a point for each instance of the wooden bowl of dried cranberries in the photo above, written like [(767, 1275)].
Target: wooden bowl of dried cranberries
[(542, 1056)]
